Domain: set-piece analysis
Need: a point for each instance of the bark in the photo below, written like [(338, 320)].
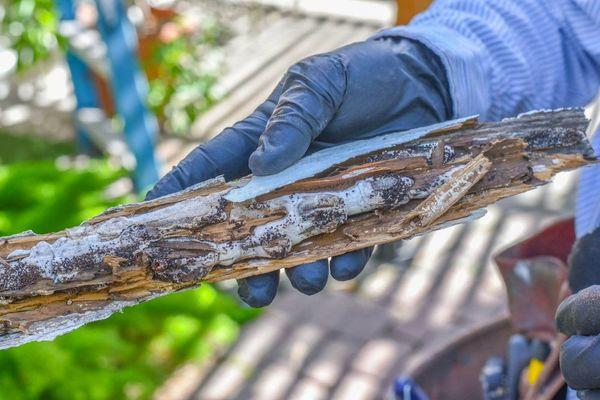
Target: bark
[(347, 198)]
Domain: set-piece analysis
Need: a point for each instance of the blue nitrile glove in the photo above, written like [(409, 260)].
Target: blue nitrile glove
[(579, 317), (358, 91)]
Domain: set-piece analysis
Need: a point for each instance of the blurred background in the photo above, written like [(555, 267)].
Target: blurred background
[(100, 98)]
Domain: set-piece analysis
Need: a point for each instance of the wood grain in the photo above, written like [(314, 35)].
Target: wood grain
[(51, 284)]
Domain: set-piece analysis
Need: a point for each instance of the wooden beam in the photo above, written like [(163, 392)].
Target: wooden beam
[(357, 195)]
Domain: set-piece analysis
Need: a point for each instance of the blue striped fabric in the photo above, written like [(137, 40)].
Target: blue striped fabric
[(504, 57), (587, 215)]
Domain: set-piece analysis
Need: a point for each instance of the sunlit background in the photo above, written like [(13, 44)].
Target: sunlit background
[(202, 66)]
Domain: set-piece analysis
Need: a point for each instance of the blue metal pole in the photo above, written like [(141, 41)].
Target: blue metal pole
[(130, 88), (83, 85)]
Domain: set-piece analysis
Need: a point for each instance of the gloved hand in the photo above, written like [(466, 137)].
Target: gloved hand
[(355, 92), (579, 317)]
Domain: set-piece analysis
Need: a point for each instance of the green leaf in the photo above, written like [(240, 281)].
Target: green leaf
[(130, 354)]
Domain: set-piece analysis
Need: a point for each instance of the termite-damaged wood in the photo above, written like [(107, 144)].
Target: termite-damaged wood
[(51, 284)]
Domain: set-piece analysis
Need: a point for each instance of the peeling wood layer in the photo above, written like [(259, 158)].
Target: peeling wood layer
[(376, 192)]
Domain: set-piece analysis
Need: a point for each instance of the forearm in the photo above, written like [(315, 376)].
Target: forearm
[(503, 57)]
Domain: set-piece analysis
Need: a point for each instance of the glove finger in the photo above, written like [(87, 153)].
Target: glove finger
[(589, 394), (579, 314), (313, 90), (580, 362), (348, 266), (309, 278), (226, 154), (583, 261), (259, 290)]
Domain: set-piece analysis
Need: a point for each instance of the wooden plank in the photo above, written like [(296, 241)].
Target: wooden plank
[(51, 284)]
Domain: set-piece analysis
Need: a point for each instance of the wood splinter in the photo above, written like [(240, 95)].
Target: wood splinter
[(338, 200)]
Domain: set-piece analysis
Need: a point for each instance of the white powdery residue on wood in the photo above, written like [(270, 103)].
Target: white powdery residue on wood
[(309, 214), (177, 214), (306, 214), (48, 260), (90, 242), (322, 160)]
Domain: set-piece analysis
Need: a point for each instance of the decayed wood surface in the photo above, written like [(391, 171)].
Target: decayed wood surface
[(51, 284)]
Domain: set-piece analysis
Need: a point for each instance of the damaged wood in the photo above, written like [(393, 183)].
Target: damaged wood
[(370, 192)]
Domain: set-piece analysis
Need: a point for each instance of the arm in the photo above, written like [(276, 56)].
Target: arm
[(503, 57), (526, 55)]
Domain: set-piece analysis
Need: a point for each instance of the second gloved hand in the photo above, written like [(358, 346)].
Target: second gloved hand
[(579, 317), (355, 92)]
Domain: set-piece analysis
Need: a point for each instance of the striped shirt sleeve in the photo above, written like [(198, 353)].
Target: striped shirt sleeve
[(504, 57)]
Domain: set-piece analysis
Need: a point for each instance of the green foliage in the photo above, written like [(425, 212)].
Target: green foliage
[(31, 27), (42, 197), (182, 79), (181, 73), (128, 355), (16, 148)]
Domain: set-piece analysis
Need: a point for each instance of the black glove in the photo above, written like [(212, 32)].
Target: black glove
[(358, 91), (579, 317)]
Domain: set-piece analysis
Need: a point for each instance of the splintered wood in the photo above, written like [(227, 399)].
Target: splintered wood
[(366, 193)]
